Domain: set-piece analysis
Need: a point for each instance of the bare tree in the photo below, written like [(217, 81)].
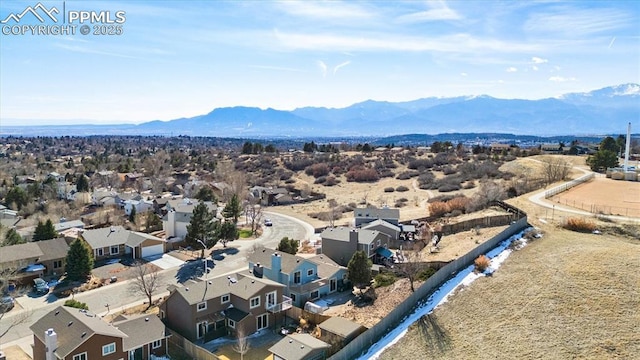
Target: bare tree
[(146, 281), (333, 214), (410, 267), (253, 214), (242, 346), (555, 169)]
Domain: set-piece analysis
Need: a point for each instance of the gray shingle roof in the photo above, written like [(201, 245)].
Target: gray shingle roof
[(372, 213), (342, 234), (115, 235), (53, 249), (245, 287), (340, 326), (326, 267), (70, 324), (297, 346), (19, 252), (263, 256), (141, 330)]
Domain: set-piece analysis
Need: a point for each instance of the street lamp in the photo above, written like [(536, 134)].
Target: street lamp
[(204, 261)]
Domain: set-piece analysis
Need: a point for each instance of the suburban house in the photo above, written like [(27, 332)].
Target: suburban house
[(367, 215), (116, 241), (306, 279), (28, 261), (341, 243), (271, 196), (178, 216), (299, 347), (206, 310), (339, 331), (74, 334), (141, 206), (64, 225), (103, 197)]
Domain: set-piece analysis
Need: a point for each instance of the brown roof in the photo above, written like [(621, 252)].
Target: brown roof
[(19, 252), (73, 327), (53, 249), (340, 326)]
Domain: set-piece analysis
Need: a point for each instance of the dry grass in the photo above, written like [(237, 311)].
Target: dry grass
[(565, 296), (481, 263), (579, 225)]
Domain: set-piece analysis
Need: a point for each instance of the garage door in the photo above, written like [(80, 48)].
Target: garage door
[(152, 250)]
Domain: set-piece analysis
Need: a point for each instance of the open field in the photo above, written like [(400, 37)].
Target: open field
[(602, 195), (567, 295)]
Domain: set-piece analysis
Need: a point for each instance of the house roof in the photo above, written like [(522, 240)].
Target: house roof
[(373, 213), (20, 252), (380, 222), (115, 235), (235, 314), (141, 330), (326, 267), (288, 261), (53, 249), (73, 327), (297, 346), (242, 285), (68, 225), (340, 326), (342, 234)]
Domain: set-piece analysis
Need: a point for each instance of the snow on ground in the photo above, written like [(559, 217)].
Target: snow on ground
[(463, 278)]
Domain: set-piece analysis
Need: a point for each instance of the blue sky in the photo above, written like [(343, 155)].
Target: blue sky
[(181, 59)]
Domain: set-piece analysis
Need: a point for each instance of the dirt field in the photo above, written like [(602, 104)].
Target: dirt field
[(606, 196), (567, 295)]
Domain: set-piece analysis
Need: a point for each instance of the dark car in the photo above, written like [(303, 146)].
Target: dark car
[(6, 303)]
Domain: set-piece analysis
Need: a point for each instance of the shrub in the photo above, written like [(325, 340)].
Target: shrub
[(449, 187), (76, 304), (360, 174), (426, 273), (317, 170), (402, 188), (458, 203), (481, 263), (331, 181), (579, 225), (320, 180), (384, 279), (456, 212), (389, 189), (438, 208), (405, 175), (448, 170)]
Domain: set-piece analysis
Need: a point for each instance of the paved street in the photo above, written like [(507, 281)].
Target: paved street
[(118, 295)]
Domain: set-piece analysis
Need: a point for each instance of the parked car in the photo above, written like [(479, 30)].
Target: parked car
[(267, 222), (6, 303), (40, 286)]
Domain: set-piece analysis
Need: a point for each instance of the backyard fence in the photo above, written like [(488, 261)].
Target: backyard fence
[(295, 313), (564, 187), (194, 351), (375, 333), (599, 208)]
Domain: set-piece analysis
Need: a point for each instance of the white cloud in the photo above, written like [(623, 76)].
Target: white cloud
[(611, 43), (279, 68), (439, 11), (537, 60), (335, 69), (579, 22), (534, 68), (512, 69), (561, 79), (463, 74), (323, 67), (325, 10)]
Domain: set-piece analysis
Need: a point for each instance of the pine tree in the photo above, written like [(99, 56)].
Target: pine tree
[(45, 231), (289, 246), (82, 184), (79, 260), (232, 210), (202, 227), (12, 238), (228, 231), (359, 270), (132, 215)]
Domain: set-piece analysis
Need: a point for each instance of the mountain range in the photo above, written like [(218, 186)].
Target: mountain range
[(603, 111)]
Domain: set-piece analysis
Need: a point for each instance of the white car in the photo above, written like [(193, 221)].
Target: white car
[(267, 222)]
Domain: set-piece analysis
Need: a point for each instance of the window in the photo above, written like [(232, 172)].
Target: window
[(262, 322), (156, 344), (314, 294), (225, 298), (109, 349), (201, 329), (57, 264), (296, 277), (231, 323), (82, 356), (254, 302), (293, 297), (310, 272), (99, 252), (202, 306), (270, 299), (114, 250)]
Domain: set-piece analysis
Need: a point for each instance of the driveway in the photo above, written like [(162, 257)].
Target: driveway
[(164, 261)]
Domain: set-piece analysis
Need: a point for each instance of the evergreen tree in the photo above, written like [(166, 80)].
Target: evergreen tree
[(227, 231), (16, 197), (232, 210), (45, 231), (247, 147), (12, 238), (602, 160), (153, 222), (82, 184), (79, 261), (132, 215), (289, 246), (206, 193), (202, 227), (359, 270)]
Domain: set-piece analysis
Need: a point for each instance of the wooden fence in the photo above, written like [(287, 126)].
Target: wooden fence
[(296, 312), (375, 333), (196, 352)]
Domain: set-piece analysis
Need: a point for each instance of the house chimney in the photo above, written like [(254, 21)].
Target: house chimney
[(276, 265), (353, 239), (50, 343)]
